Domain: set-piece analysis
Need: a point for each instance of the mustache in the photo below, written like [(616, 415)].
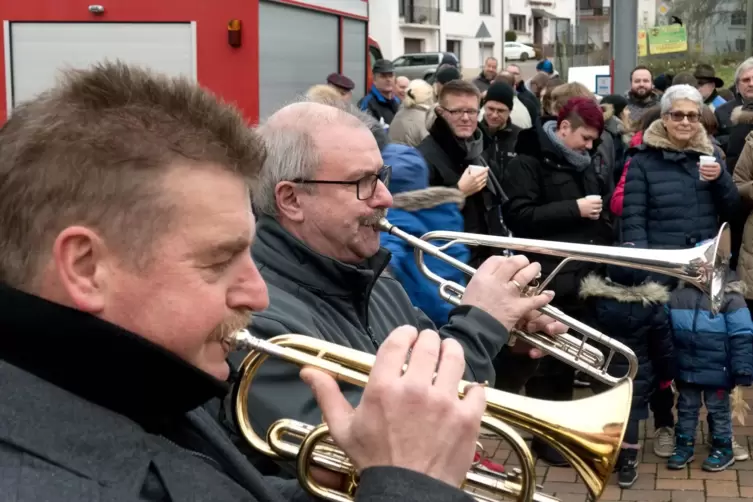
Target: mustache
[(238, 320), (371, 221)]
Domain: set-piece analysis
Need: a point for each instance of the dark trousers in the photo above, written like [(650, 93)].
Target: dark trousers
[(662, 403), (689, 403)]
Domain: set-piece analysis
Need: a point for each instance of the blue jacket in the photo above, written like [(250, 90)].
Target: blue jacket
[(418, 209), (379, 107), (713, 351), (632, 311), (666, 204)]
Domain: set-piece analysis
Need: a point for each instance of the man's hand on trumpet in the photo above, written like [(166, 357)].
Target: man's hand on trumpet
[(403, 412), (499, 289)]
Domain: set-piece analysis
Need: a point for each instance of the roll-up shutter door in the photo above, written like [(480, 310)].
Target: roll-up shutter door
[(354, 55), (298, 48), (39, 50)]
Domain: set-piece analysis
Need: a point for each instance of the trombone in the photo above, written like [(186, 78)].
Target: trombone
[(704, 266), (587, 432)]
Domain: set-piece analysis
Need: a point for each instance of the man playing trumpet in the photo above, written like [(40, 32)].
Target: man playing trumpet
[(322, 190)]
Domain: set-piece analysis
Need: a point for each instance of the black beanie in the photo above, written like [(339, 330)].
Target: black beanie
[(448, 74), (502, 92), (618, 101)]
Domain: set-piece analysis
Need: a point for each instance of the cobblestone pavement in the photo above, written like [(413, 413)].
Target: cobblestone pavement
[(656, 483)]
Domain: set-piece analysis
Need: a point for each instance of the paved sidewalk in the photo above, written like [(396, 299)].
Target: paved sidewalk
[(656, 483)]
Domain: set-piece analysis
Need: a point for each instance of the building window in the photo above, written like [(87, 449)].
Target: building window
[(401, 3), (453, 5), (740, 45), (485, 7), (518, 22), (454, 47), (738, 18)]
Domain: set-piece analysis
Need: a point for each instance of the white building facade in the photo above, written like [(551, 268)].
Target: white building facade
[(406, 26)]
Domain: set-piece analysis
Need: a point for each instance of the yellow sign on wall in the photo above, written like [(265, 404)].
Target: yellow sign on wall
[(642, 43), (667, 39)]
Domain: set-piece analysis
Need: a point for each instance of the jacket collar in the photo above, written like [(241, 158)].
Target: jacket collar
[(380, 97), (99, 361), (656, 137), (278, 250)]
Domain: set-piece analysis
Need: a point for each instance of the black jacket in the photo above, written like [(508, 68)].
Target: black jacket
[(542, 189), (89, 411), (378, 106), (633, 312), (666, 205), (725, 124), (447, 158), (531, 102), (352, 306), (499, 146)]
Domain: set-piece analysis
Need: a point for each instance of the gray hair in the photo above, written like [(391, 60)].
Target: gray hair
[(744, 66), (677, 93), (289, 137)]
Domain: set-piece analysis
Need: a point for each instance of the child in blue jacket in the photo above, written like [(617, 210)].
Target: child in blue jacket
[(417, 209), (713, 355)]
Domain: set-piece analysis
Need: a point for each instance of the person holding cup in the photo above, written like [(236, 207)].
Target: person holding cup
[(677, 192)]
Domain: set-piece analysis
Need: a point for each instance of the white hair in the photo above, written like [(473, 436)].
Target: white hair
[(419, 92), (744, 66), (680, 92), (289, 137)]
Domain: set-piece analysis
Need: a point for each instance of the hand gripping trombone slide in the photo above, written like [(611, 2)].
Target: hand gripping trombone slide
[(704, 266)]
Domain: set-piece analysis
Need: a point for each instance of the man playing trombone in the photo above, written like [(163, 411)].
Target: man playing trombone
[(124, 269), (322, 191)]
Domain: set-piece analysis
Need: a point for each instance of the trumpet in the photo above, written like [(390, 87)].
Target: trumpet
[(587, 432), (704, 266)]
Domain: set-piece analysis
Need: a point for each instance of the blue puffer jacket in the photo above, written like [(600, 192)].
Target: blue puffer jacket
[(666, 204), (714, 351), (632, 311), (417, 209)]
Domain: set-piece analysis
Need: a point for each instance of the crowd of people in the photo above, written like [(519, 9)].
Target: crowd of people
[(132, 250), (660, 167)]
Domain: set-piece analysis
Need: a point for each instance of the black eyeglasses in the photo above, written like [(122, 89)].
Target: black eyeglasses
[(365, 187), (680, 116)]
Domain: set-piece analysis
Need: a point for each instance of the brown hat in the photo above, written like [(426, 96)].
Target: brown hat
[(705, 73), (340, 81)]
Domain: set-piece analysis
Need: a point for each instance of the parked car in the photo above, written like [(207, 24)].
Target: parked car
[(516, 50), (419, 65)]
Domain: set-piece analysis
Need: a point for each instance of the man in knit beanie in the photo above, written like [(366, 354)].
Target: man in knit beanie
[(500, 134)]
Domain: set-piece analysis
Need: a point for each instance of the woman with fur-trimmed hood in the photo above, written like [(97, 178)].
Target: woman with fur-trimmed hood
[(417, 209), (670, 201), (631, 309)]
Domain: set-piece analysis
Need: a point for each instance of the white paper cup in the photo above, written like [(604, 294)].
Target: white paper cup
[(593, 197), (474, 168), (705, 160)]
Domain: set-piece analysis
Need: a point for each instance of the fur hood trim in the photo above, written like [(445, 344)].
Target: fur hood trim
[(427, 198), (741, 115), (656, 137), (647, 293)]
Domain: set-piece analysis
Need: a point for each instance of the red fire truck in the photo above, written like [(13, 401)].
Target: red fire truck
[(259, 54)]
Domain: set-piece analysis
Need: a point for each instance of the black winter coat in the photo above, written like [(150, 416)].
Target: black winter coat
[(499, 147), (447, 158), (666, 204), (633, 313), (542, 190)]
